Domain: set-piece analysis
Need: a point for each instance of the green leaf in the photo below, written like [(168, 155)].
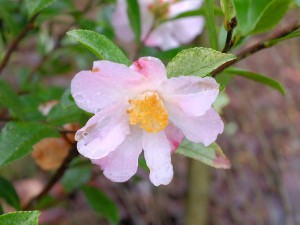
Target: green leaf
[(17, 139), (257, 77), (20, 218), (101, 46), (259, 16), (211, 25), (79, 173), (102, 205), (8, 193), (211, 155), (8, 18), (10, 99), (35, 6), (197, 61), (65, 112), (133, 13), (228, 10)]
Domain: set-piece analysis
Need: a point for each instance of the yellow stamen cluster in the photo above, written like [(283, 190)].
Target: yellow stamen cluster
[(148, 110)]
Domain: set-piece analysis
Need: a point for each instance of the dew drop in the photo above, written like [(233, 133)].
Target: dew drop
[(79, 98)]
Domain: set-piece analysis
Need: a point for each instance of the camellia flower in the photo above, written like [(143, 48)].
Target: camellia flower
[(137, 108), (166, 35)]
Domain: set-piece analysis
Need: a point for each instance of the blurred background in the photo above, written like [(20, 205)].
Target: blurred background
[(261, 137)]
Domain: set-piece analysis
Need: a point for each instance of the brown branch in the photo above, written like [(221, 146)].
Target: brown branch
[(54, 179), (258, 46), (14, 45), (229, 42)]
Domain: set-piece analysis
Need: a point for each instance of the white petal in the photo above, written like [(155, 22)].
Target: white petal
[(121, 164), (193, 95), (103, 133), (203, 129), (157, 151)]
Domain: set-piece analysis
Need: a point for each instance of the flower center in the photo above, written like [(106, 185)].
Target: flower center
[(148, 110)]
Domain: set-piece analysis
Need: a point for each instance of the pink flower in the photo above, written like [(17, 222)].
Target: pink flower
[(137, 108), (166, 35)]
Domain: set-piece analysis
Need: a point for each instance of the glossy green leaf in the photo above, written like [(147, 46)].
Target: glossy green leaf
[(20, 218), (9, 194), (35, 6), (18, 138), (101, 46), (133, 12), (259, 16), (79, 173), (211, 155), (102, 205), (10, 99), (197, 61), (210, 22), (258, 78)]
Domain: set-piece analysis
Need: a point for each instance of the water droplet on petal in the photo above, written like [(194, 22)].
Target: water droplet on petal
[(79, 98)]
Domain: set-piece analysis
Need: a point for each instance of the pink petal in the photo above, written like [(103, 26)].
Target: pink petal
[(193, 95), (152, 69), (103, 133), (174, 136), (203, 129), (121, 24), (121, 164), (184, 6), (157, 151), (187, 29), (163, 37), (93, 91)]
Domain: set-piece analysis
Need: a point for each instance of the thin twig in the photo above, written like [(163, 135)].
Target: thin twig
[(15, 42), (54, 179), (229, 42), (258, 46)]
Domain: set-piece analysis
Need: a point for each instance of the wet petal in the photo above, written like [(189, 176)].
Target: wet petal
[(121, 164), (157, 151), (203, 129), (103, 86), (151, 68), (103, 133), (193, 95)]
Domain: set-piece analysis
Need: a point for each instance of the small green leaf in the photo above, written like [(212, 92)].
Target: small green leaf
[(260, 16), (17, 139), (20, 218), (10, 99), (133, 12), (102, 205), (211, 155), (197, 61), (101, 46), (210, 21), (257, 77), (228, 10), (9, 194), (35, 6), (79, 173)]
